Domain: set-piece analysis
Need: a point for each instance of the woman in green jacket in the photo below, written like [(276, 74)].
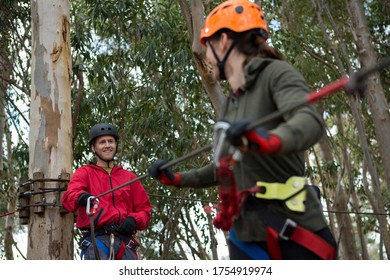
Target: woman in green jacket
[(266, 204)]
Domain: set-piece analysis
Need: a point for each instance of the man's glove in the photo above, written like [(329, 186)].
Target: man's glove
[(258, 139), (127, 227), (83, 198), (165, 176)]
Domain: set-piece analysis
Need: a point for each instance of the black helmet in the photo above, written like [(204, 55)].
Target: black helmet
[(101, 129)]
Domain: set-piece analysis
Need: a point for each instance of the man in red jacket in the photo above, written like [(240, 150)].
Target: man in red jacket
[(119, 214)]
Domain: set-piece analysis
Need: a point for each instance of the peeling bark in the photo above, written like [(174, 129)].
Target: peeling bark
[(50, 233)]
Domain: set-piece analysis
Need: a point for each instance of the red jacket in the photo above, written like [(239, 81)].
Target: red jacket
[(131, 200)]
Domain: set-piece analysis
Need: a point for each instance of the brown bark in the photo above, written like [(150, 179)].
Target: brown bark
[(374, 90), (379, 109), (194, 17), (50, 235)]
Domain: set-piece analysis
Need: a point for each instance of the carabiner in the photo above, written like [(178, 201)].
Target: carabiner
[(94, 205), (219, 139)]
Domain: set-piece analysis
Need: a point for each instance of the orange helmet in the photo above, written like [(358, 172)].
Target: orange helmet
[(236, 15)]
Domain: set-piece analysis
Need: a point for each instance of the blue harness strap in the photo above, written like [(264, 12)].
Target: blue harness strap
[(99, 244), (252, 249)]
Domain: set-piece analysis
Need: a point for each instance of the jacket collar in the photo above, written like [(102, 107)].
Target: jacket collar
[(252, 70), (96, 167)]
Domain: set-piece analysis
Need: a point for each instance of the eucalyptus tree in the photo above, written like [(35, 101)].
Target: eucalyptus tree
[(380, 116), (50, 153)]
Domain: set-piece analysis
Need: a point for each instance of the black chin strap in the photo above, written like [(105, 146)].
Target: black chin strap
[(221, 64), (106, 161)]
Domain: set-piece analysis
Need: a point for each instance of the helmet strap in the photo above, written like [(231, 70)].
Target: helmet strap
[(221, 63), (108, 162)]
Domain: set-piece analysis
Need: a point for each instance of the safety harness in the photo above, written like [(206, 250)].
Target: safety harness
[(252, 249), (292, 194), (108, 230), (109, 250)]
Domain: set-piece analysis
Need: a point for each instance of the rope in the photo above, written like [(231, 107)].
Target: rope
[(7, 214), (44, 190), (93, 238), (123, 185)]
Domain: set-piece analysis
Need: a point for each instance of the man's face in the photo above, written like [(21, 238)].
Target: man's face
[(105, 147)]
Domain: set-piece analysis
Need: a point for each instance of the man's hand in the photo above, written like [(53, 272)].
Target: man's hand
[(127, 227), (83, 198)]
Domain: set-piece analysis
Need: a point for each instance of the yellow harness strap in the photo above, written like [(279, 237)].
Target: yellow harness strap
[(291, 192)]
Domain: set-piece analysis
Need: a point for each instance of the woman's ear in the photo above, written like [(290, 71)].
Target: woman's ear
[(224, 41)]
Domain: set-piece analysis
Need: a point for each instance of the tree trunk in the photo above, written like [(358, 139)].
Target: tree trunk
[(195, 20), (50, 233), (214, 243), (374, 90), (377, 102), (344, 234), (193, 231), (5, 73), (10, 219), (170, 231), (356, 112)]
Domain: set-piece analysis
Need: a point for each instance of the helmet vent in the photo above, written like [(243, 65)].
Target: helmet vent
[(239, 9), (102, 129)]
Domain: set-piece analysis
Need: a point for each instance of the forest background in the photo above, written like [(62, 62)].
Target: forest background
[(139, 65)]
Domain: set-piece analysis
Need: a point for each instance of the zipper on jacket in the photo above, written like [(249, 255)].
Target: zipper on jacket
[(113, 196)]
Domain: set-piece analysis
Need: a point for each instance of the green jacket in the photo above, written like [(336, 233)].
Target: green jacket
[(271, 85)]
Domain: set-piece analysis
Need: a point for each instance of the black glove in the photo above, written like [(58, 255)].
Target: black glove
[(236, 131), (127, 227), (156, 173), (258, 139), (83, 198), (165, 176)]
